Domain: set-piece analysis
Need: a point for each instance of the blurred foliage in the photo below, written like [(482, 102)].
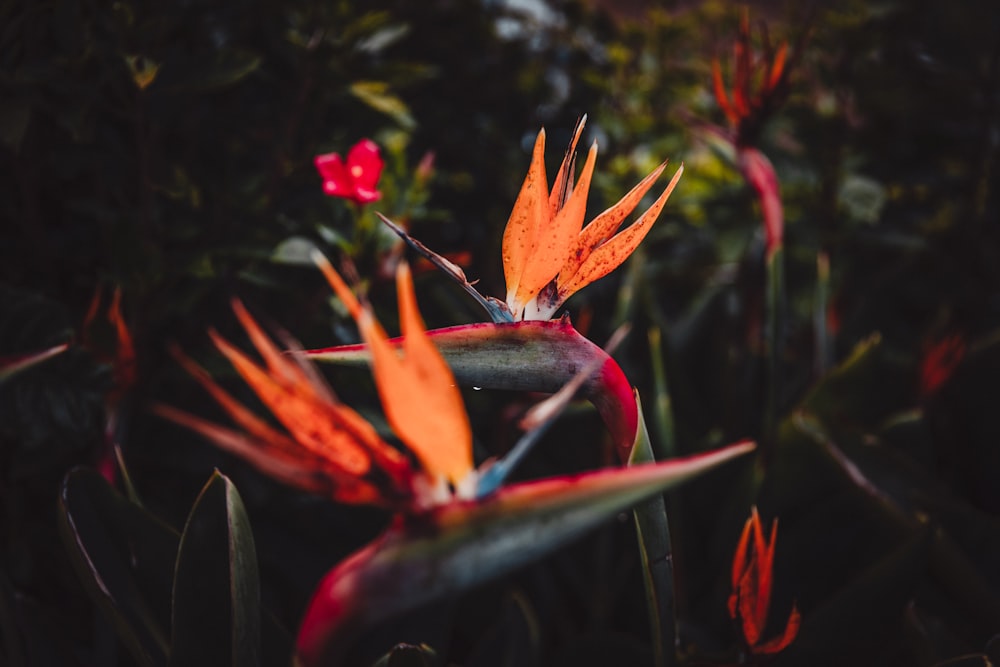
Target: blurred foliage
[(167, 148)]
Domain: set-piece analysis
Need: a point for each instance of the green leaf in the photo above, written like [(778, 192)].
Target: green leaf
[(124, 556), (376, 95), (653, 534), (455, 546), (231, 67), (294, 250), (216, 611)]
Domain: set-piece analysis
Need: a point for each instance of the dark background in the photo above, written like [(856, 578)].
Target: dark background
[(182, 193)]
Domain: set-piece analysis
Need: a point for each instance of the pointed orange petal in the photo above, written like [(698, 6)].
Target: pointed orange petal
[(739, 567), (750, 618), (277, 363), (520, 237), (563, 184), (310, 421), (786, 638), (777, 67), (302, 379), (337, 283), (418, 391), (720, 93), (557, 239), (125, 370), (610, 255), (249, 421), (761, 576), (601, 228)]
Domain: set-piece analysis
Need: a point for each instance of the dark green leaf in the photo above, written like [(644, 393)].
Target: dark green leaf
[(124, 557), (216, 611)]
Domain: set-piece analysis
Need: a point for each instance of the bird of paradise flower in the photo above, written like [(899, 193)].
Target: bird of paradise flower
[(450, 532), (548, 254)]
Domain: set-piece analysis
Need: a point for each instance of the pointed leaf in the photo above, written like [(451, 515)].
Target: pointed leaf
[(526, 356), (216, 611), (125, 559), (377, 95), (462, 544)]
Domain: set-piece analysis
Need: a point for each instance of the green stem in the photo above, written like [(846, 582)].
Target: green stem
[(774, 321), (653, 535)]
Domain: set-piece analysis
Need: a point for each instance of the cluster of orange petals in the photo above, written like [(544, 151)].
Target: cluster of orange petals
[(122, 356), (750, 600), (328, 448), (548, 254), (769, 73)]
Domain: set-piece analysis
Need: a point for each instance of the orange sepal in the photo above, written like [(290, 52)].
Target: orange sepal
[(520, 237), (609, 255), (777, 68), (556, 240), (739, 566), (721, 97), (418, 391), (310, 421)]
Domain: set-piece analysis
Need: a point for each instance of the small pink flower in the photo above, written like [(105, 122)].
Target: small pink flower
[(355, 180)]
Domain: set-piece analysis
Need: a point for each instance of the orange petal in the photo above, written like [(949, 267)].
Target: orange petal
[(601, 228), (752, 621), (125, 355), (530, 214), (720, 93), (786, 638), (249, 421), (739, 567), (310, 421), (557, 239), (277, 363), (418, 391), (777, 67), (610, 255), (761, 597), (337, 283)]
